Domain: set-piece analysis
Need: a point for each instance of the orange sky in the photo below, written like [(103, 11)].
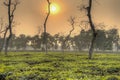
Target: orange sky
[(31, 13)]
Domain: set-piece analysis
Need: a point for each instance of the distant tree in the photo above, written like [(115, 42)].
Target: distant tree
[(112, 38), (21, 42), (12, 6), (115, 35), (101, 36), (12, 42), (36, 42), (56, 41), (76, 43), (86, 36), (50, 42), (62, 42), (82, 41), (72, 43), (43, 42)]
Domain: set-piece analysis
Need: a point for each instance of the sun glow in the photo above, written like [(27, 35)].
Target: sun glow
[(54, 8)]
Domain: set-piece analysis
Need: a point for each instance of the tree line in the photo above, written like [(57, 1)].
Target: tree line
[(106, 40), (64, 41)]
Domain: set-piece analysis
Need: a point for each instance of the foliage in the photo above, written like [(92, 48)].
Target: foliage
[(104, 41), (59, 66)]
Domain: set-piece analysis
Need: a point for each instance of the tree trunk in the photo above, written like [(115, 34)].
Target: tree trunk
[(1, 48), (92, 47), (46, 19), (72, 22), (10, 19), (89, 9), (7, 44)]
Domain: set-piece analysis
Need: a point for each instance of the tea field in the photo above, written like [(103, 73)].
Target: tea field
[(59, 66)]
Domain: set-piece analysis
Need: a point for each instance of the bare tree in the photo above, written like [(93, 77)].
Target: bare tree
[(45, 25), (11, 5), (4, 38), (89, 10), (72, 23), (3, 31), (39, 30), (92, 25)]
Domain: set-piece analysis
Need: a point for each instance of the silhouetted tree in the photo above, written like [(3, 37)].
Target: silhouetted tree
[(21, 42), (112, 37), (82, 41), (36, 42), (45, 23), (62, 42), (101, 36), (72, 23), (92, 26), (12, 42), (89, 9), (11, 5), (56, 40), (3, 30)]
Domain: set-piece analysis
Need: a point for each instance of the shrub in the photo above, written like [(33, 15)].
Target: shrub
[(112, 78)]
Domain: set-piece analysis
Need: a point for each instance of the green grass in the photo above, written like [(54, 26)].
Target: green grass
[(59, 66)]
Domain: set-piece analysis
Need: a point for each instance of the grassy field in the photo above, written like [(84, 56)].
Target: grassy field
[(59, 66)]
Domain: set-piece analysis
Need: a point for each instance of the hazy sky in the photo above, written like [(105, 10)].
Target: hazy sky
[(31, 13)]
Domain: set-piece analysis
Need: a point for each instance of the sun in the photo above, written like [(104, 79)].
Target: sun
[(54, 8)]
